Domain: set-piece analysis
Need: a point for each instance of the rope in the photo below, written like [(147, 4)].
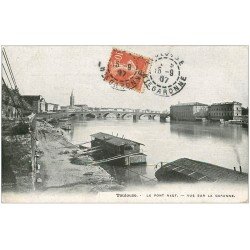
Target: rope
[(12, 76), (19, 110), (7, 77)]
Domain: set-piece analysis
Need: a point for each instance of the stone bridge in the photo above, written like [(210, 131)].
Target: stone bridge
[(102, 114)]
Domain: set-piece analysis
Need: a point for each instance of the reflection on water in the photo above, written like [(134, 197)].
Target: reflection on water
[(133, 175), (223, 145), (229, 133)]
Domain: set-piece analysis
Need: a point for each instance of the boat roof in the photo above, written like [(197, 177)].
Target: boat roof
[(115, 140), (202, 171)]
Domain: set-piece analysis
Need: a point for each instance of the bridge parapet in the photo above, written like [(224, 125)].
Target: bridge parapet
[(102, 113)]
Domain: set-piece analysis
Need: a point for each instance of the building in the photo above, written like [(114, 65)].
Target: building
[(188, 111), (37, 103), (82, 106), (64, 108), (56, 107), (226, 111), (74, 107), (51, 107)]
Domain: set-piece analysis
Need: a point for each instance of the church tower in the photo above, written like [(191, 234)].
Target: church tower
[(72, 100)]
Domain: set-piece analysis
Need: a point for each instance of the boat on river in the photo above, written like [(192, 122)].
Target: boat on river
[(66, 126), (63, 119), (238, 122), (117, 150), (188, 170)]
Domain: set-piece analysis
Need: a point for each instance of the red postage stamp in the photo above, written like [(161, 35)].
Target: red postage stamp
[(127, 69)]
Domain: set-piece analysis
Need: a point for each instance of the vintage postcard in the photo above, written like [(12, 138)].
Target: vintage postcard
[(124, 124)]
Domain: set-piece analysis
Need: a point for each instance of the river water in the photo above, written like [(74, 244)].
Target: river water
[(223, 145)]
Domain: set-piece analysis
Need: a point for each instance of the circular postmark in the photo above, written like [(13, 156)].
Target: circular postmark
[(113, 85), (165, 78)]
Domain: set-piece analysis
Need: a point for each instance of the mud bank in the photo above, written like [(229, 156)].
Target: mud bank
[(63, 167)]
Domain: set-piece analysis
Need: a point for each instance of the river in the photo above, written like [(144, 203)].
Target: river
[(223, 145)]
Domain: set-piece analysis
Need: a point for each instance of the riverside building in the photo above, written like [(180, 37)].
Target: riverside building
[(188, 111), (226, 111), (37, 102)]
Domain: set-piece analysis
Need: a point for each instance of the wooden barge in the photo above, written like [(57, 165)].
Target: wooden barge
[(117, 150), (187, 170)]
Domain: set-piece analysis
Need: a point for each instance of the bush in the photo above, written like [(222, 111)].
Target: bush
[(53, 121), (20, 129)]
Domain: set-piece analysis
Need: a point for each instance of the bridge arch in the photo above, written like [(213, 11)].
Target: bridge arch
[(124, 115), (157, 115), (144, 114), (109, 113), (90, 115)]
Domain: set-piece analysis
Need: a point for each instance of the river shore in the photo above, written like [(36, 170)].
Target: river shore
[(63, 167)]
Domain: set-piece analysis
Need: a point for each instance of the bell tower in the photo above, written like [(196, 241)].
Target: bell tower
[(72, 100)]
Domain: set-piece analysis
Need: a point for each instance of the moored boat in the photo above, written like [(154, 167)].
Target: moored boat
[(66, 126), (117, 150), (188, 170)]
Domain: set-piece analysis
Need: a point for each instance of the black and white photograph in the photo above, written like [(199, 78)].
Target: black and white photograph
[(125, 124)]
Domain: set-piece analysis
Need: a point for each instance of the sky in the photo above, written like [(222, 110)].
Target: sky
[(214, 74)]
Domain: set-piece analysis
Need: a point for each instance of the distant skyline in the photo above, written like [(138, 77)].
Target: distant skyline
[(214, 74)]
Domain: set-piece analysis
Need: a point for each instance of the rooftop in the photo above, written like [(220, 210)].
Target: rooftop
[(31, 98), (80, 105), (115, 140), (190, 104), (226, 103), (205, 171), (51, 103)]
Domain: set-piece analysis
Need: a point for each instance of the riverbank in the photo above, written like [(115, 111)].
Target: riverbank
[(64, 168)]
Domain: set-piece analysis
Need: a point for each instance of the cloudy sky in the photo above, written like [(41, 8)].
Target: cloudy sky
[(214, 74)]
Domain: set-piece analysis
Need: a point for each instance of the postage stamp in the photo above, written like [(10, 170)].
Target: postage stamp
[(113, 85), (165, 77), (127, 70)]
